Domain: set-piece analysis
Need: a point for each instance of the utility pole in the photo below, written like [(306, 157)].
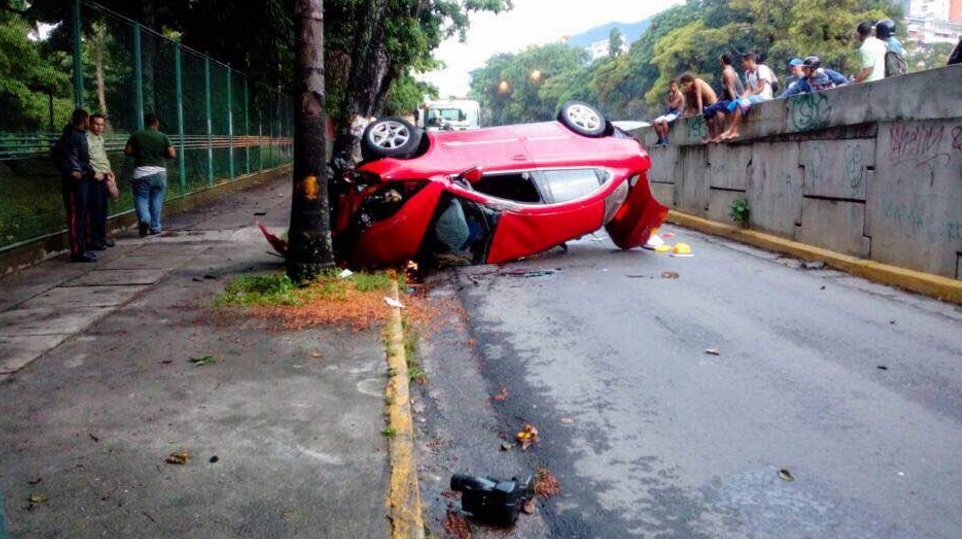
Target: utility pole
[(310, 249)]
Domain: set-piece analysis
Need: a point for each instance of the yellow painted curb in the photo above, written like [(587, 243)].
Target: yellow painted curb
[(404, 498), (935, 286)]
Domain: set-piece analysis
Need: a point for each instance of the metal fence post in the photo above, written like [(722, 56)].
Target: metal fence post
[(178, 82), (78, 72), (247, 129), (210, 138), (138, 78), (230, 126)]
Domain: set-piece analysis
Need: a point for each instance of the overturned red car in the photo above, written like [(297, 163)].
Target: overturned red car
[(492, 195)]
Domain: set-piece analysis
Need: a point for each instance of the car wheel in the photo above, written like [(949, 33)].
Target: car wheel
[(389, 137), (583, 119)]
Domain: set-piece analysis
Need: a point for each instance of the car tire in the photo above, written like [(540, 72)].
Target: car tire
[(390, 137), (583, 119)]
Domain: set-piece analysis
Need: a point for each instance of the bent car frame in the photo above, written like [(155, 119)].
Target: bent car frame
[(492, 195)]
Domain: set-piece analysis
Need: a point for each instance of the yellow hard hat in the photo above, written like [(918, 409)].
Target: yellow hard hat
[(681, 250)]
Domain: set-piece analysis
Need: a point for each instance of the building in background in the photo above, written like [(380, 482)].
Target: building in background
[(930, 31), (955, 11), (600, 49), (929, 9)]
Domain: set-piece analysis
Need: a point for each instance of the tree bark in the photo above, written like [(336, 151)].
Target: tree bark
[(310, 250), (99, 42)]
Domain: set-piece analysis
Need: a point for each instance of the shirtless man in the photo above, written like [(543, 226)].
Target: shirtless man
[(698, 95), (674, 102)]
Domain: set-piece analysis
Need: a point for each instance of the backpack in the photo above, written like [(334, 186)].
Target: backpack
[(895, 64), (774, 85)]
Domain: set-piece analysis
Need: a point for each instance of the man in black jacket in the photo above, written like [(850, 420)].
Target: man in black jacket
[(72, 158)]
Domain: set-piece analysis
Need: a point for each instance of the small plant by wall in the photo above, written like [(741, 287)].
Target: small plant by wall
[(739, 211)]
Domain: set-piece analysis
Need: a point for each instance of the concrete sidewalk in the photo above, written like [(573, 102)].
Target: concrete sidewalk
[(97, 389)]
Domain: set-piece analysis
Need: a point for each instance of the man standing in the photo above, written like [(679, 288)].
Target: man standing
[(760, 79), (149, 148), (97, 234), (73, 160), (674, 102), (732, 89), (698, 95), (872, 53)]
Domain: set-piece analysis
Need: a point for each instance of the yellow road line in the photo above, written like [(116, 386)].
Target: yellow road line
[(936, 286), (404, 499)]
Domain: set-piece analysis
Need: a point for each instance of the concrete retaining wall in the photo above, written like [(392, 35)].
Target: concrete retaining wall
[(872, 170)]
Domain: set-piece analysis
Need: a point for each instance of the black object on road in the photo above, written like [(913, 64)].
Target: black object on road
[(490, 500)]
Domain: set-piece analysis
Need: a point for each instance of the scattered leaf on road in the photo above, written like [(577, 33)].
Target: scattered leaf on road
[(315, 354), (545, 484), (528, 507), (92, 437), (38, 498), (202, 361), (882, 368), (501, 395), (528, 437), (567, 420), (713, 351), (215, 459), (393, 302), (36, 481), (456, 526), (178, 458), (785, 475), (506, 446), (669, 275)]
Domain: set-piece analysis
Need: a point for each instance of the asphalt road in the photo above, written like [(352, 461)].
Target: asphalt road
[(853, 388)]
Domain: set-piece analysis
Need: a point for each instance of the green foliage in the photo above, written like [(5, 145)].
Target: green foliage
[(406, 94), (247, 290), (28, 78), (389, 431), (739, 211), (927, 57), (615, 40)]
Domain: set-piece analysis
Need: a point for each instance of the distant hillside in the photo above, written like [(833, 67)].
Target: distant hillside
[(632, 31)]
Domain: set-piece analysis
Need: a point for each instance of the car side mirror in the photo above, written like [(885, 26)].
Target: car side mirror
[(472, 174)]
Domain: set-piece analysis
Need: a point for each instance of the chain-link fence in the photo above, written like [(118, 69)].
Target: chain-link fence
[(124, 70)]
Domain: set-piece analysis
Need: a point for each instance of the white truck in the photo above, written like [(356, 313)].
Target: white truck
[(450, 115)]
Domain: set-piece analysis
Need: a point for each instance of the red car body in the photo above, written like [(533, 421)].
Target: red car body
[(475, 167)]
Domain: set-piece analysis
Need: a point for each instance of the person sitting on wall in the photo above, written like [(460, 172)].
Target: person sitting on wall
[(795, 72), (816, 79), (698, 95), (731, 89), (674, 103), (760, 80)]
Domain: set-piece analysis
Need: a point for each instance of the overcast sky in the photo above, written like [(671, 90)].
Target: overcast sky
[(531, 22)]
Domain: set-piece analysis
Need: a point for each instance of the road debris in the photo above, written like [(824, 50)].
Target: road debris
[(178, 458), (882, 368), (527, 437), (260, 213), (393, 302), (670, 275), (92, 437), (567, 421), (682, 250), (203, 361), (785, 475), (36, 481), (639, 276), (315, 354), (214, 459), (528, 274), (507, 446), (490, 500), (545, 484), (501, 395), (528, 507), (814, 265), (35, 499), (456, 526), (713, 351), (345, 274)]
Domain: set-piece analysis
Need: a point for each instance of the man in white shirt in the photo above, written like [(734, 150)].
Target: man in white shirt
[(759, 79), (872, 53)]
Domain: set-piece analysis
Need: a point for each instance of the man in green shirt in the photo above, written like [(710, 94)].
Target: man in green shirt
[(97, 239), (150, 149)]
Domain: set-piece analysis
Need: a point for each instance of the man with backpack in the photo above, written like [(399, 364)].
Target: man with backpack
[(815, 79), (895, 63), (72, 158)]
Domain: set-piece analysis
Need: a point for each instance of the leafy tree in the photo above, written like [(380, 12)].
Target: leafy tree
[(929, 56), (615, 42)]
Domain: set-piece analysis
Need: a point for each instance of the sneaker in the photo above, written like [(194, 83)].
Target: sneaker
[(109, 242), (144, 228), (96, 247), (86, 257), (153, 232)]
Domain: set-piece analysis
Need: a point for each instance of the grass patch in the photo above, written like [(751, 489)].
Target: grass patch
[(389, 431), (248, 290)]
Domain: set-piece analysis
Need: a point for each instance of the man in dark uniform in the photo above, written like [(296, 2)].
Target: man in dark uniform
[(73, 159)]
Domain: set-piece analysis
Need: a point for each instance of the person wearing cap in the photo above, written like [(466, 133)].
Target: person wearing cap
[(795, 73), (815, 79), (872, 53)]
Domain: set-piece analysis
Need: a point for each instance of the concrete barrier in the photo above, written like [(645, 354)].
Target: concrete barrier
[(870, 170)]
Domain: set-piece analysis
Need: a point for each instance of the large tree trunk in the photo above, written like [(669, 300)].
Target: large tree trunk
[(99, 43), (310, 250)]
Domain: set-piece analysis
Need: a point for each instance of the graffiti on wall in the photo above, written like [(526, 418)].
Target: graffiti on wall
[(925, 148), (697, 128), (808, 112)]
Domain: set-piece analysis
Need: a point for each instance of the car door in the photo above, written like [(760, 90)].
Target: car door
[(572, 207)]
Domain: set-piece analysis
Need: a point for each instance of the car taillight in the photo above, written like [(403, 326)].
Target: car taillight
[(617, 198)]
